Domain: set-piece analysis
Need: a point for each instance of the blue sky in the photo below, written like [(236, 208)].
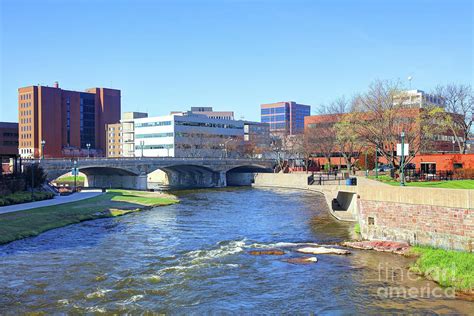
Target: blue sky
[(233, 55)]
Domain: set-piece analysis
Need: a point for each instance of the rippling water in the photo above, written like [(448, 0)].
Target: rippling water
[(192, 258)]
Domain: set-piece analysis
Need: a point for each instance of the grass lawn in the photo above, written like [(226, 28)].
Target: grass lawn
[(24, 197), (453, 184), (33, 222), (70, 179), (447, 267)]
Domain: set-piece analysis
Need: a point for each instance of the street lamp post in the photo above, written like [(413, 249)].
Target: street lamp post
[(402, 162), (142, 144), (454, 142), (43, 142), (74, 169), (88, 150)]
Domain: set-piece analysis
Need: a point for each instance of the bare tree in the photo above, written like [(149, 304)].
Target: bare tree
[(322, 139), (349, 143), (380, 115), (339, 106), (459, 112)]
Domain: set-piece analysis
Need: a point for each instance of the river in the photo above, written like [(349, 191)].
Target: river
[(192, 257)]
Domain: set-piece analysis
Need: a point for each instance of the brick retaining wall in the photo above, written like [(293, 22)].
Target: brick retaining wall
[(439, 226)]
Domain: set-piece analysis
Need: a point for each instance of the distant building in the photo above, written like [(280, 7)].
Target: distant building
[(419, 99), (67, 121), (207, 111), (186, 135), (128, 132), (257, 134), (285, 117), (8, 143), (114, 140)]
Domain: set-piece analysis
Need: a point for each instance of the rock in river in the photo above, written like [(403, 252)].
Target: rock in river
[(304, 260), (323, 251), (273, 252)]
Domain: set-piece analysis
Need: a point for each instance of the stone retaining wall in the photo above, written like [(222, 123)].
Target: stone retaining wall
[(438, 226)]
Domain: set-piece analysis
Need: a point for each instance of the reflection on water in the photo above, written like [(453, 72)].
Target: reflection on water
[(192, 257)]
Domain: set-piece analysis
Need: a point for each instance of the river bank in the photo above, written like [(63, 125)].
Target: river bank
[(192, 258), (28, 223)]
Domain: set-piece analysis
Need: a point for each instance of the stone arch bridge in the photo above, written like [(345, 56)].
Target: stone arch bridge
[(132, 173)]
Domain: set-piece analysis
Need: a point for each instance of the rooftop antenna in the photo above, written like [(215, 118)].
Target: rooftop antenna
[(409, 80)]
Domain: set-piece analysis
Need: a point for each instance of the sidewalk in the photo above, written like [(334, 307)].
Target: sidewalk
[(55, 201)]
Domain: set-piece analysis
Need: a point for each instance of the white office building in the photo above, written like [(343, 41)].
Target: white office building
[(186, 135), (419, 99)]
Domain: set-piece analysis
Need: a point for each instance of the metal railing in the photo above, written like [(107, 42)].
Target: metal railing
[(323, 178)]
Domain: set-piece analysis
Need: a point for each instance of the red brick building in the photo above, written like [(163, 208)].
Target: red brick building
[(8, 144), (67, 121), (442, 142)]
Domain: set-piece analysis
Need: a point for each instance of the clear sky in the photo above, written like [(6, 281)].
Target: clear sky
[(232, 55)]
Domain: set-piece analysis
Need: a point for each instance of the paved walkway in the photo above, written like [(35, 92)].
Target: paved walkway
[(57, 200)]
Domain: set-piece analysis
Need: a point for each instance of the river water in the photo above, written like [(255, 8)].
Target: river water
[(193, 257)]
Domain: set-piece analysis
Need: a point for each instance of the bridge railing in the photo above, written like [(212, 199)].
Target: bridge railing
[(147, 159)]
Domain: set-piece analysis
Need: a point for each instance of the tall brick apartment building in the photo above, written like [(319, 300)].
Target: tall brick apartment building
[(67, 121)]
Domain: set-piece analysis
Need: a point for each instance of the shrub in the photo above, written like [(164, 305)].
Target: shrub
[(463, 174)]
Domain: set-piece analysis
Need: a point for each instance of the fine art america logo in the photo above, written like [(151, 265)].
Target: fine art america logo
[(404, 283)]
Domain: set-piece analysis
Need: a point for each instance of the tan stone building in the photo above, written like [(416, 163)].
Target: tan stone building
[(114, 140)]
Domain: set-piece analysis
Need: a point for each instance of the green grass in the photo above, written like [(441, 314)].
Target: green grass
[(357, 228), (449, 268), (33, 222), (24, 197), (453, 184), (70, 179)]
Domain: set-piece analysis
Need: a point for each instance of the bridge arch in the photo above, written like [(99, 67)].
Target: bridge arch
[(244, 175), (183, 176)]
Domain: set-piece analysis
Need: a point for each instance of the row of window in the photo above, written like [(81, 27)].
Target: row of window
[(149, 124), (25, 105), (10, 143), (25, 136), (8, 134), (274, 118), (25, 120), (26, 151), (281, 109), (277, 125), (214, 125), (27, 112), (154, 135), (25, 96), (25, 144), (163, 146)]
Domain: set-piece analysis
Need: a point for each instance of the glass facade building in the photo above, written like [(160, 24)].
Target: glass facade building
[(285, 117)]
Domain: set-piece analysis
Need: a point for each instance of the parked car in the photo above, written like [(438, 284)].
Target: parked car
[(384, 168)]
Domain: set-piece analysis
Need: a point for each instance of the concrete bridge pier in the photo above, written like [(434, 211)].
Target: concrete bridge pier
[(220, 179), (117, 181)]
